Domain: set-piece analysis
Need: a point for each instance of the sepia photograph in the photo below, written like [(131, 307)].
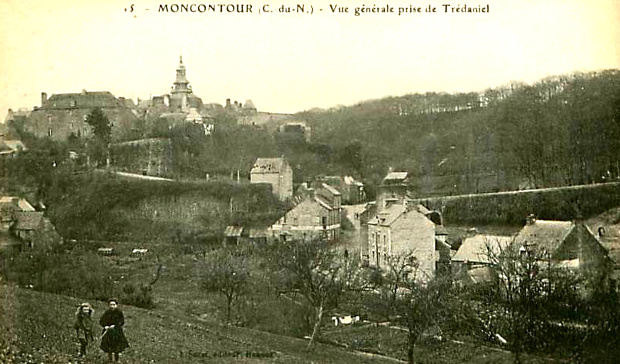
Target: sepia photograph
[(301, 182)]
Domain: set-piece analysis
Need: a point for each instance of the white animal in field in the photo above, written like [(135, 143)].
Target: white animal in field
[(345, 320)]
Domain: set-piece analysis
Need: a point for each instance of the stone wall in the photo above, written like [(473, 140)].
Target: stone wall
[(152, 157)]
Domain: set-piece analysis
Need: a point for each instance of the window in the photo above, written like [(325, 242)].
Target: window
[(49, 132)]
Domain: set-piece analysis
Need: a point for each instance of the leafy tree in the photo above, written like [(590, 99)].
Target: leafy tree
[(102, 130), (102, 127)]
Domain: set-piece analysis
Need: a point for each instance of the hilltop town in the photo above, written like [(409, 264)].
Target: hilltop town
[(399, 228)]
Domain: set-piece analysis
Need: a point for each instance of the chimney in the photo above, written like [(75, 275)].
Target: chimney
[(43, 98), (530, 219), (227, 102)]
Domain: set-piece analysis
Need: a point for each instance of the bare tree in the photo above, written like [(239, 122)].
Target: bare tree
[(228, 275), (417, 302), (314, 270), (523, 281)]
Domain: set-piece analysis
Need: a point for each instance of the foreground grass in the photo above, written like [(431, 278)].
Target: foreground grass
[(392, 342), (37, 328)]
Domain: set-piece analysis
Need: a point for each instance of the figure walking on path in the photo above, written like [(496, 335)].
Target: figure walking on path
[(84, 326), (113, 339)]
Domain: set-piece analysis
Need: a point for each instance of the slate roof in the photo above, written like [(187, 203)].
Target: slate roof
[(545, 234), (83, 100), (395, 176), (474, 249), (28, 220), (17, 202), (233, 231), (268, 165), (323, 202), (11, 146), (331, 189), (388, 216)]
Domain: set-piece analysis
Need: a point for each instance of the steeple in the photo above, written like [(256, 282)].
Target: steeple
[(181, 84)]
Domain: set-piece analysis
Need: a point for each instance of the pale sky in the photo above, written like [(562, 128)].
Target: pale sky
[(294, 62)]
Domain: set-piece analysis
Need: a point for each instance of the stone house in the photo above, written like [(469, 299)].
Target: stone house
[(19, 222), (316, 215), (404, 230), (565, 244), (471, 264), (63, 115), (351, 189), (10, 206), (27, 225), (277, 173)]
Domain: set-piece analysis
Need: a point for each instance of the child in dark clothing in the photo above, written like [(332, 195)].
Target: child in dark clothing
[(113, 340)]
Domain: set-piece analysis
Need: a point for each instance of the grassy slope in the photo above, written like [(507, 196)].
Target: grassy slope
[(37, 327)]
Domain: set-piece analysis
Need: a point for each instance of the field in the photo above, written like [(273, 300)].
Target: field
[(186, 324), (37, 328)]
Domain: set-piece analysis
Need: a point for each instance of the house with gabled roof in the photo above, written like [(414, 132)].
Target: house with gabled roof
[(473, 261), (393, 188), (65, 114), (276, 172), (316, 215), (20, 222), (9, 147), (406, 231), (564, 244)]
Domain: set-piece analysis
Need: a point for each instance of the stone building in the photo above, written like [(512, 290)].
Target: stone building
[(393, 189), (183, 105), (352, 190), (565, 244), (316, 216), (64, 115), (22, 227), (181, 96), (277, 173), (472, 264), (401, 230), (296, 128)]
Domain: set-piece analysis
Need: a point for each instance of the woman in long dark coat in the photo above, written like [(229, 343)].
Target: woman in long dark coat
[(113, 340)]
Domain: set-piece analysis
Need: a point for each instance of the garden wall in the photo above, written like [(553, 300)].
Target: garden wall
[(562, 203)]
